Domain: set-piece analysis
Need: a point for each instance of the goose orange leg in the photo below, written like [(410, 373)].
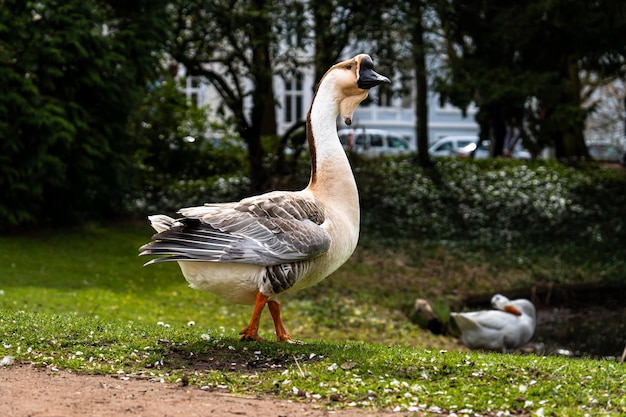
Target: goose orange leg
[(281, 333), (252, 331)]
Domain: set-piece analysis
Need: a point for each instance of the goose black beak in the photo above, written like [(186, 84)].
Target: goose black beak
[(369, 78)]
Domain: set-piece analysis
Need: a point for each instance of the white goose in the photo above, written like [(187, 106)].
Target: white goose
[(250, 251), (509, 326)]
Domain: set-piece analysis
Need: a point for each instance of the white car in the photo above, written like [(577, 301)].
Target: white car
[(451, 145), (463, 146), (483, 151), (374, 142)]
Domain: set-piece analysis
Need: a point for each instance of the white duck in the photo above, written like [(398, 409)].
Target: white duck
[(250, 251), (509, 326)]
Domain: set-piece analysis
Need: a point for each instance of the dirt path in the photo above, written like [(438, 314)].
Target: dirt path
[(29, 392)]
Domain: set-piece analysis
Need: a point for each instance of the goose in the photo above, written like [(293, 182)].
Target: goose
[(500, 302), (509, 326), (253, 250)]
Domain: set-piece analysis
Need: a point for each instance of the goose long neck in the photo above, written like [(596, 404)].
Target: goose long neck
[(329, 164)]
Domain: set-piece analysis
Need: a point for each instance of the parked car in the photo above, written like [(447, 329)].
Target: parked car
[(374, 142), (452, 145), (463, 146), (482, 151)]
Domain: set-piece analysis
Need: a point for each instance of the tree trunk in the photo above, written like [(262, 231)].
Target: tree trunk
[(573, 136), (263, 112), (498, 129), (328, 43), (421, 85), (566, 119)]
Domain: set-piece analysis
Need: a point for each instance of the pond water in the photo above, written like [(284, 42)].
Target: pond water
[(590, 331)]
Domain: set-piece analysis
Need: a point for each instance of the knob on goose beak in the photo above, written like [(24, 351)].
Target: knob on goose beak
[(369, 78)]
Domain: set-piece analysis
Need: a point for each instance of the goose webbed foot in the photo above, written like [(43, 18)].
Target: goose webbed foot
[(250, 336)]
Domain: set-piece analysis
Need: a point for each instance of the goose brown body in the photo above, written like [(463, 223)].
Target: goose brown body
[(268, 245)]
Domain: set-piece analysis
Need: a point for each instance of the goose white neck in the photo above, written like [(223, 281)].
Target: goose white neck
[(328, 159)]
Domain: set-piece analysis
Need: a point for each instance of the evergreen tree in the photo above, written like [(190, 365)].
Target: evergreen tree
[(72, 72)]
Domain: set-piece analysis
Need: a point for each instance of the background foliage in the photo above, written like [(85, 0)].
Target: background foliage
[(521, 61), (175, 161), (71, 74), (494, 202), (87, 131)]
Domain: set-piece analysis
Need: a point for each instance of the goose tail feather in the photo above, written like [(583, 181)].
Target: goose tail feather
[(161, 223)]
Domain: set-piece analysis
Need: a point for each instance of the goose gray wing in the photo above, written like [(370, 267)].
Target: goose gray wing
[(270, 229)]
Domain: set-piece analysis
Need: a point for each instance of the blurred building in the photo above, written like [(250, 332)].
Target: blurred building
[(294, 96)]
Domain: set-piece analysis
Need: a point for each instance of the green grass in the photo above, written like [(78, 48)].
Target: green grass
[(81, 300), (330, 373)]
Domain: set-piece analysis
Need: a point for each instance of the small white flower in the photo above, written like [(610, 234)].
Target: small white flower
[(205, 336), (333, 367), (7, 360), (191, 323)]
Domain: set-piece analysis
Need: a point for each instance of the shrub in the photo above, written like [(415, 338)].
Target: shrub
[(493, 203)]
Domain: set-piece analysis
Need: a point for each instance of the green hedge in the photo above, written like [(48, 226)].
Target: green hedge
[(493, 202)]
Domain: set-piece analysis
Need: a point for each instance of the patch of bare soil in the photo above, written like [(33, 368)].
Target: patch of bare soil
[(26, 391)]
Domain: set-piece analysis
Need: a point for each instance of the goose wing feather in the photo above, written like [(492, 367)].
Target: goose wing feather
[(494, 320), (491, 319), (270, 229)]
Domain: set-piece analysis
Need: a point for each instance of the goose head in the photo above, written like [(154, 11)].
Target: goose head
[(352, 79), (517, 307), (499, 301)]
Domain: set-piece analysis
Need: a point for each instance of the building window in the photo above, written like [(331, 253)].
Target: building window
[(293, 99), (192, 90)]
